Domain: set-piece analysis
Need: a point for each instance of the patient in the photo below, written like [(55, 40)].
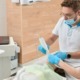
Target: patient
[(37, 72), (53, 59)]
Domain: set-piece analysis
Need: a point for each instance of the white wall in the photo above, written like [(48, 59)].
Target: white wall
[(3, 26)]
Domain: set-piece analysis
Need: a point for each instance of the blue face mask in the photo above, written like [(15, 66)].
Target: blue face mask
[(70, 21)]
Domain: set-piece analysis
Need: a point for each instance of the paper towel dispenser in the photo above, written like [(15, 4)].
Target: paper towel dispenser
[(22, 2), (28, 2)]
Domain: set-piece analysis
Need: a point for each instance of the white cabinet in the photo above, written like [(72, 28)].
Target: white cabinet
[(5, 58)]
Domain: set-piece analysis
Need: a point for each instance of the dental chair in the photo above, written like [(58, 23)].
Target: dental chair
[(39, 70)]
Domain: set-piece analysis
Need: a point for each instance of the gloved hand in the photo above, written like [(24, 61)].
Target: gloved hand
[(41, 49), (53, 59), (61, 55)]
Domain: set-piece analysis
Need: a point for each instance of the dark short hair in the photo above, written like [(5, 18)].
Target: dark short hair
[(74, 4)]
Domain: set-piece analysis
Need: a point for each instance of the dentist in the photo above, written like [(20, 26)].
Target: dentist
[(67, 30)]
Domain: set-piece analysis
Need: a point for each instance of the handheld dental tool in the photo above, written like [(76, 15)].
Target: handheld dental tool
[(44, 45)]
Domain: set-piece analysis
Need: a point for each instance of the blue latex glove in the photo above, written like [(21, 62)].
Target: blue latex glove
[(53, 59), (41, 49), (61, 55)]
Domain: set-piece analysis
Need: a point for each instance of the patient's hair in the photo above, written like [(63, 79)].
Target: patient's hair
[(74, 4)]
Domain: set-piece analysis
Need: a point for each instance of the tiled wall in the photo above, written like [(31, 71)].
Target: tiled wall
[(27, 23)]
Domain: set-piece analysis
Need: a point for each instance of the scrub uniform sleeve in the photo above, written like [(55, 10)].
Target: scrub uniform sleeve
[(57, 27)]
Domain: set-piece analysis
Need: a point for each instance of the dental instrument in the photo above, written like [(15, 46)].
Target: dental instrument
[(44, 45)]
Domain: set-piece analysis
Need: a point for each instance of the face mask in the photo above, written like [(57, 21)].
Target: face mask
[(70, 21)]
